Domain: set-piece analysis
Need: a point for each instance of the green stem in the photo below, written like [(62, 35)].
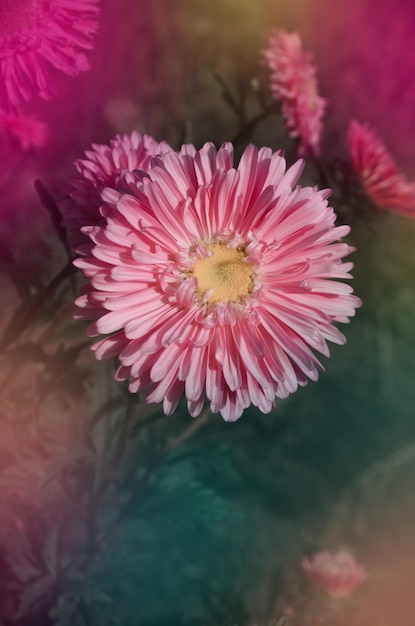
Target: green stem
[(247, 128)]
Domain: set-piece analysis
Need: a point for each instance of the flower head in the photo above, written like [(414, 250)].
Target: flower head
[(104, 166), (293, 80), (38, 34), (337, 574), (378, 172), (28, 131), (216, 281)]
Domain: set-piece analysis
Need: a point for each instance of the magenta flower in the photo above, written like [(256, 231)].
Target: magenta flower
[(378, 172), (216, 281), (337, 574), (28, 131), (293, 81), (36, 35), (103, 167)]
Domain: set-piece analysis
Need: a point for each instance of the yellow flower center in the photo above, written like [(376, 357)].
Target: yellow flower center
[(225, 273)]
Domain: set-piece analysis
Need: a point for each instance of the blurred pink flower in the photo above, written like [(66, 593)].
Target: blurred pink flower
[(288, 611), (103, 167), (215, 280), (337, 574), (28, 131), (378, 172), (35, 34), (294, 82)]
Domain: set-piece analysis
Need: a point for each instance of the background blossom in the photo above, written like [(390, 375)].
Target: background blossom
[(337, 574), (378, 172), (36, 35), (104, 166), (293, 81)]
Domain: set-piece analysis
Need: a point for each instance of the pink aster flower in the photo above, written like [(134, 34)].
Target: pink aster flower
[(337, 574), (293, 80), (103, 167), (378, 172), (216, 281), (36, 35), (28, 131)]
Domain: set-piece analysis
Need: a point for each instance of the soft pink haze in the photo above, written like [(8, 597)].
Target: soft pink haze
[(215, 281), (293, 81), (378, 172), (38, 35), (28, 131), (338, 574)]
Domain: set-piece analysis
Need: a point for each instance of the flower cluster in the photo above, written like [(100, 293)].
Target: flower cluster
[(211, 280), (293, 81)]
